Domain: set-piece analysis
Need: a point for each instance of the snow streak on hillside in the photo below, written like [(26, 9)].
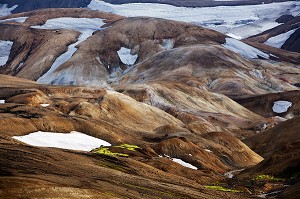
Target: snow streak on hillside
[(84, 25), (5, 47), (226, 19), (17, 19), (279, 40), (4, 10), (244, 49)]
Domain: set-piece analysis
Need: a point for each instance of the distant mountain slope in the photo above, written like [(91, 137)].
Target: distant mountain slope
[(196, 3), (285, 36), (28, 5)]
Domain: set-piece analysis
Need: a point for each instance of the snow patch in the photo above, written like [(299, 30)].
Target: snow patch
[(2, 101), (179, 161), (257, 73), (5, 47), (230, 174), (73, 140), (279, 40), (79, 24), (208, 150), (126, 57), (168, 44), (234, 36), (244, 49), (44, 105), (17, 19), (4, 10), (183, 163), (101, 6), (84, 25), (281, 106)]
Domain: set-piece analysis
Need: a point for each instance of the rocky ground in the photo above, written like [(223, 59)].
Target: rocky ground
[(190, 93)]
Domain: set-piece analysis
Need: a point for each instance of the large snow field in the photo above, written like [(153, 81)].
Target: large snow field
[(73, 140), (226, 19)]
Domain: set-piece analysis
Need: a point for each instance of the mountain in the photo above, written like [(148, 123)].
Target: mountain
[(285, 36), (95, 104), (36, 4)]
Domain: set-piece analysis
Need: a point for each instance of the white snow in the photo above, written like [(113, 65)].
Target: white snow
[(250, 29), (226, 19), (278, 40), (281, 106), (2, 101), (208, 150), (183, 163), (257, 73), (84, 25), (230, 174), (234, 36), (244, 49), (5, 47), (44, 105), (17, 19), (126, 56), (4, 10), (179, 161), (168, 44), (73, 140)]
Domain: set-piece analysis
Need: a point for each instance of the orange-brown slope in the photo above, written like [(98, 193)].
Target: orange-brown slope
[(118, 118), (280, 148), (33, 51), (167, 50), (28, 171), (263, 104)]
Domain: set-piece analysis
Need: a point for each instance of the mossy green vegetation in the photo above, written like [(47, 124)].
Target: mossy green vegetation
[(220, 188), (268, 177), (106, 151), (128, 147)]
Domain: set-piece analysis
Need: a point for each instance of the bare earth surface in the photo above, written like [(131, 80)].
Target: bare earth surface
[(192, 95)]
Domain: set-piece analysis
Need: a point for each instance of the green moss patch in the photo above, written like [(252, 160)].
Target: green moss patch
[(268, 177), (128, 147), (105, 151), (219, 188)]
